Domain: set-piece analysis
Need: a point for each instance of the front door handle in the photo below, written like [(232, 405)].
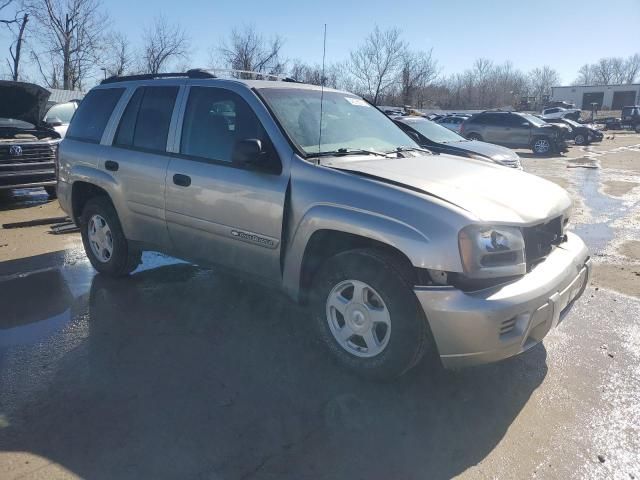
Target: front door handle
[(111, 165), (181, 180)]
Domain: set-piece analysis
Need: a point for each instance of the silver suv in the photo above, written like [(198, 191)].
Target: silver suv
[(516, 130), (395, 251)]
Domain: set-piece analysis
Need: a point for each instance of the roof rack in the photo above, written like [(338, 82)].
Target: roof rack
[(202, 73)]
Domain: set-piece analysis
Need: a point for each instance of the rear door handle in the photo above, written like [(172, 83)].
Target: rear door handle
[(181, 180), (111, 165)]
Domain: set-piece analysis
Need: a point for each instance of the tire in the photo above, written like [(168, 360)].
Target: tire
[(580, 139), (398, 346), (474, 136), (122, 259), (541, 146), (51, 191)]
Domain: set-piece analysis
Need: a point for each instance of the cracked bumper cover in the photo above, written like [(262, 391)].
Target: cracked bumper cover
[(472, 328)]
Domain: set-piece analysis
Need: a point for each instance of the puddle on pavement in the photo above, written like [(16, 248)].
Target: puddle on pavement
[(604, 210), (38, 305)]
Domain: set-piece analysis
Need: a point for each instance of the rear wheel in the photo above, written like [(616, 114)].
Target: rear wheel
[(367, 314), (51, 191), (104, 242), (541, 146), (474, 136)]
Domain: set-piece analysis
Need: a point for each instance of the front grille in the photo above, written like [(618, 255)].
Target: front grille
[(30, 157), (540, 239), (30, 153)]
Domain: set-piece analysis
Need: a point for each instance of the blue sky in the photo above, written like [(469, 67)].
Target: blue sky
[(562, 34)]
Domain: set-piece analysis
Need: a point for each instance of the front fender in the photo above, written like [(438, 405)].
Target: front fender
[(415, 245)]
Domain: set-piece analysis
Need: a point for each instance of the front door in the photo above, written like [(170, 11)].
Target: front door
[(218, 212)]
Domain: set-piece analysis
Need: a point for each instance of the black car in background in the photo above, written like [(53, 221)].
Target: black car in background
[(581, 134), (439, 139), (630, 117)]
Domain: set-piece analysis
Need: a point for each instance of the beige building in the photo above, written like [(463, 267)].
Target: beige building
[(608, 97)]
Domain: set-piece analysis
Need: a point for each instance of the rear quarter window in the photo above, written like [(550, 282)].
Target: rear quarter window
[(93, 114)]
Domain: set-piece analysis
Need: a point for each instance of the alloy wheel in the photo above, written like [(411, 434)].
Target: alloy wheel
[(100, 238), (358, 318)]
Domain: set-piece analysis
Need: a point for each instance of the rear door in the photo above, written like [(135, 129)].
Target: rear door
[(218, 212), (138, 160)]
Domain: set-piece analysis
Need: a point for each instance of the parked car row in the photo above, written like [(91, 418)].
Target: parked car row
[(436, 138)]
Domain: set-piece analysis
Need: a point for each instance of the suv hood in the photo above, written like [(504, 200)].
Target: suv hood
[(23, 101), (490, 192)]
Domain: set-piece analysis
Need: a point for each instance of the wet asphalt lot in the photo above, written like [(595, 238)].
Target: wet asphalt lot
[(184, 372)]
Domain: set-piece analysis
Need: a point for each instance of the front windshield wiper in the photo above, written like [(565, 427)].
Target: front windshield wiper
[(346, 151), (409, 149)]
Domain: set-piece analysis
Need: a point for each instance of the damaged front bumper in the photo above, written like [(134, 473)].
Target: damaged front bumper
[(492, 324)]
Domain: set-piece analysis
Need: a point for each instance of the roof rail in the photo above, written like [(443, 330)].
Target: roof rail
[(202, 73)]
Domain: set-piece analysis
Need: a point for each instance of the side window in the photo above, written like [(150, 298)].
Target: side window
[(489, 119), (145, 122), (91, 118), (214, 120), (515, 121)]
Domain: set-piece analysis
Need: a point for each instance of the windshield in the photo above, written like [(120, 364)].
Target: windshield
[(61, 112), (533, 119), (434, 132), (348, 122)]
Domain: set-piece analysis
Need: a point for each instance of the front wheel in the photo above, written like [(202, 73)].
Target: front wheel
[(104, 241), (367, 314), (580, 139), (541, 146)]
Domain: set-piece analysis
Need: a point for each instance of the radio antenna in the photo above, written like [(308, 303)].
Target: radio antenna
[(324, 53)]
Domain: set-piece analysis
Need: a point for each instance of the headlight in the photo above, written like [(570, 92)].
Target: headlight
[(489, 252)]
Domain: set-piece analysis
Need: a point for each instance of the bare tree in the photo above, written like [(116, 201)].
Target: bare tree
[(610, 70), (163, 44), (418, 70), (246, 49), (377, 63), (603, 71), (17, 27), (586, 75), (541, 80), (313, 74), (118, 55), (70, 34), (632, 68)]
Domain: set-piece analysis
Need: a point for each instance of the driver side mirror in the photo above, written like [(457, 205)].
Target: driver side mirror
[(250, 154)]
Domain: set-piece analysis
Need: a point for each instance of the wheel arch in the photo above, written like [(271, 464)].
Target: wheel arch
[(326, 230)]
